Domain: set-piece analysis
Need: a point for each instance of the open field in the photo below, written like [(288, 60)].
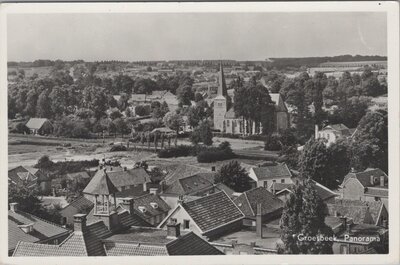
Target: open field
[(29, 71)]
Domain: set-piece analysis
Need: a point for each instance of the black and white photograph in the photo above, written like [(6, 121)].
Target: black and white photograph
[(136, 132)]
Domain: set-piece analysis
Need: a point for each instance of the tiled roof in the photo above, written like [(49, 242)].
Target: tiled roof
[(36, 123), (128, 220), (86, 243), (277, 186), (81, 203), (21, 175), (338, 127), (226, 189), (378, 192), (100, 184), (272, 171), (213, 211), (190, 185), (42, 229), (130, 249), (132, 192), (231, 114), (129, 177), (79, 175), (356, 209), (178, 171), (323, 192), (269, 203), (365, 177), (191, 244), (146, 201)]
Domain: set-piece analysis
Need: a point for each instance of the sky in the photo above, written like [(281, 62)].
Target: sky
[(196, 36)]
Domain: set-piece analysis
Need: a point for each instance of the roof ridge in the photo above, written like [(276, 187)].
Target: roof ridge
[(44, 220), (247, 199)]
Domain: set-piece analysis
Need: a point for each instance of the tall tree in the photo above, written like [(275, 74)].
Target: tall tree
[(234, 176), (185, 94), (202, 133), (173, 121), (95, 99), (304, 215), (43, 109)]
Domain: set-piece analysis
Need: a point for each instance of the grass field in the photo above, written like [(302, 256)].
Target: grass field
[(29, 71)]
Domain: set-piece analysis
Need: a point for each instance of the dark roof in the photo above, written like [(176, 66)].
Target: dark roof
[(86, 243), (154, 242), (80, 204), (42, 229), (231, 114), (129, 177), (377, 192), (131, 192), (247, 202), (356, 209), (272, 171), (178, 171), (365, 177), (28, 176), (191, 184), (126, 219), (100, 184), (226, 189), (323, 192), (213, 211), (36, 123), (147, 201), (79, 175)]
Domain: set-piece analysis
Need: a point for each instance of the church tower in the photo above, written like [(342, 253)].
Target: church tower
[(220, 102)]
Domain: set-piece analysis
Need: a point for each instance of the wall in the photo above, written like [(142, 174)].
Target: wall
[(353, 190), (181, 215), (69, 213), (219, 113)]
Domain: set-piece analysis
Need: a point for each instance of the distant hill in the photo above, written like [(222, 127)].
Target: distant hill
[(282, 63)]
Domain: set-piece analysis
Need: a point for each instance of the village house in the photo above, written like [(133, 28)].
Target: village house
[(265, 176), (332, 133), (26, 227), (209, 216), (283, 191), (361, 212), (271, 207), (39, 126), (368, 185), (30, 178), (115, 231), (77, 206), (149, 207), (352, 238)]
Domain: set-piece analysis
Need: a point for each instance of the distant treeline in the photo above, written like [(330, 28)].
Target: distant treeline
[(282, 63)]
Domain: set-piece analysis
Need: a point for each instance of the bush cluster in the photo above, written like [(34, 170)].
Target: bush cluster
[(180, 150), (117, 148), (212, 154)]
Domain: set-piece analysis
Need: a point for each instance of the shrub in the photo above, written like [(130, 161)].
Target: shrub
[(180, 150), (117, 148), (273, 143), (222, 152)]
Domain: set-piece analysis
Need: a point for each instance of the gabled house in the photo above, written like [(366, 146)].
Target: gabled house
[(81, 205), (26, 227), (271, 207), (266, 175), (361, 212), (332, 133), (209, 216), (30, 178), (39, 126), (283, 191), (368, 185)]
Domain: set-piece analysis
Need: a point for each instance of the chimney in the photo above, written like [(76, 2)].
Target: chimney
[(213, 168), (180, 199), (145, 186), (173, 229), (79, 222), (335, 213), (28, 228), (382, 181), (343, 219), (259, 231), (316, 131), (14, 207), (371, 180), (153, 191), (128, 203), (348, 227), (353, 170)]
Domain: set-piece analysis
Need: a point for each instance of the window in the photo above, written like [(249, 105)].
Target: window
[(174, 220), (282, 180), (377, 199), (185, 224), (265, 184), (274, 180)]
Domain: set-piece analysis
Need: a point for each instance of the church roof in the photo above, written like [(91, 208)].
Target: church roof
[(222, 91), (100, 184), (231, 114)]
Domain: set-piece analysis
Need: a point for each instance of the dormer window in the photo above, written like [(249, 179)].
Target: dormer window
[(154, 205), (26, 228), (142, 209)]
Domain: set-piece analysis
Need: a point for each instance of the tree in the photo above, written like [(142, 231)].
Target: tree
[(21, 128), (304, 215), (202, 133), (95, 99), (115, 115), (234, 176), (44, 162), (59, 104), (318, 162), (141, 110), (173, 121), (198, 97), (31, 102), (121, 126), (185, 94), (43, 108), (350, 111), (369, 147)]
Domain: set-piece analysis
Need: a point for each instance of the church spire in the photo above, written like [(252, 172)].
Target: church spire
[(221, 82)]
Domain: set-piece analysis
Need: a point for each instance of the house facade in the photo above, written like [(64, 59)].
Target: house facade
[(265, 176), (39, 126), (332, 133)]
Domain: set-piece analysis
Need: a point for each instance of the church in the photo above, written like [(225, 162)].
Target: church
[(227, 121)]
